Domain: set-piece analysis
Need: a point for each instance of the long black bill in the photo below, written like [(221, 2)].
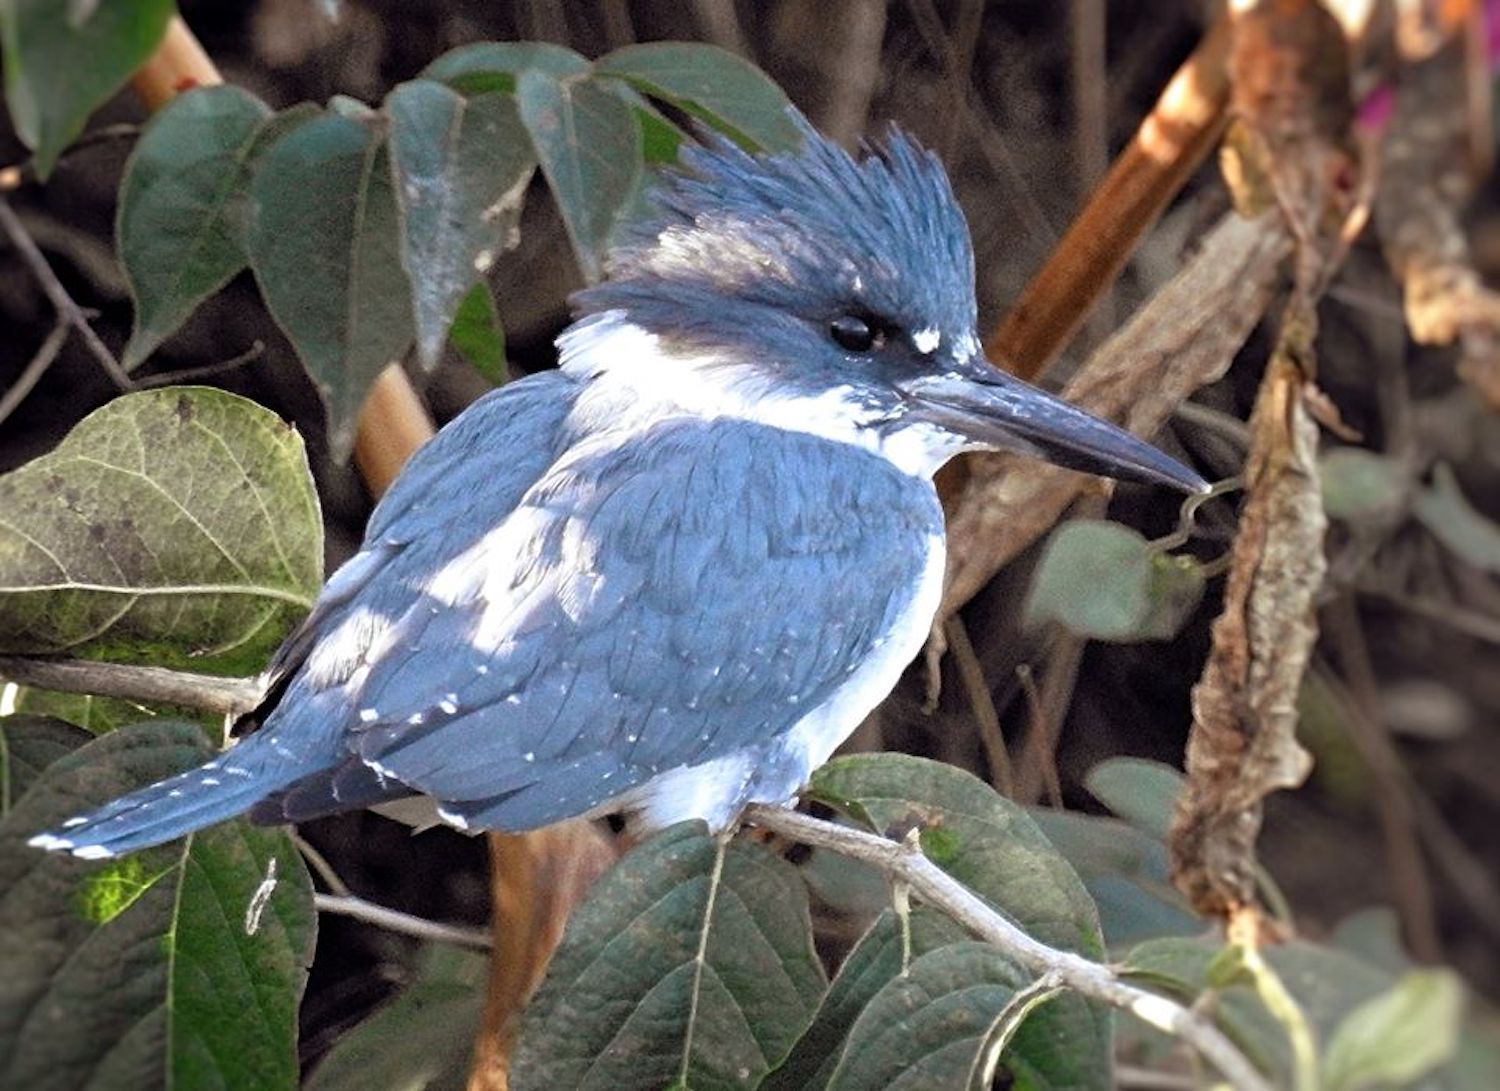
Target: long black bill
[(1000, 412)]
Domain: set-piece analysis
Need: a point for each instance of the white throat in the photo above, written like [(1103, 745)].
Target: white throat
[(627, 375)]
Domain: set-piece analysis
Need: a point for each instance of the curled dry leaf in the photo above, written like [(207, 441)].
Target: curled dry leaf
[(1426, 178), (1243, 744)]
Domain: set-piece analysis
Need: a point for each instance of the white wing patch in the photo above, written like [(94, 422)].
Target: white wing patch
[(927, 341)]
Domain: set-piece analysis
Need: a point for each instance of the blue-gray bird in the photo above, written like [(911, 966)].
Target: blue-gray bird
[(670, 577)]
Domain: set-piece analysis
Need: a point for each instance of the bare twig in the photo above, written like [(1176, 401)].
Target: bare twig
[(67, 310), (941, 891), (225, 696), (983, 704), (16, 393), (393, 920), (206, 371)]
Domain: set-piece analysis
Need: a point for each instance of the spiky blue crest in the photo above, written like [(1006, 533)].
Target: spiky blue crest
[(810, 233)]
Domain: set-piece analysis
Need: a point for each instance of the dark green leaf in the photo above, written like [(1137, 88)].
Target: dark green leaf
[(325, 246), (139, 971), (478, 335), (874, 962), (421, 1040), (176, 526), (1444, 511), (1399, 1036), (1125, 872), (1358, 484), (589, 147), (1142, 792), (485, 67), (945, 1023), (28, 745), (994, 848), (59, 67), (627, 1003), (461, 166), (710, 83), (177, 242), (1104, 581)]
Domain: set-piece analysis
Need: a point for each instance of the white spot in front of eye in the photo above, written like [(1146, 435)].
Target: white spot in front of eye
[(368, 715), (927, 341)]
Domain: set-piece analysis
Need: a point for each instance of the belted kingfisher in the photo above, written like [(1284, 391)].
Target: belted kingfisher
[(670, 577)]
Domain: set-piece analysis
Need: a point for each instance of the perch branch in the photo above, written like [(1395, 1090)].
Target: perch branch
[(940, 890), (225, 696)]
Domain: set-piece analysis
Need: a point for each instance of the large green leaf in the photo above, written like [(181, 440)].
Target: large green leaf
[(461, 166), (478, 336), (1398, 1036), (589, 146), (178, 966), (175, 526), (97, 715), (1142, 792), (484, 67), (713, 84), (325, 246), (994, 848), (649, 987), (177, 230), (946, 1022), (420, 1041), (62, 62), (875, 961)]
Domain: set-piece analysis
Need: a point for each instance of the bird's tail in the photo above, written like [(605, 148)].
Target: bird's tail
[(218, 789)]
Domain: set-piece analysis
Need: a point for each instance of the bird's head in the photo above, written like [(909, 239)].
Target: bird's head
[(815, 291)]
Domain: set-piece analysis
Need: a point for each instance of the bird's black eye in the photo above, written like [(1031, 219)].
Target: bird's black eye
[(855, 333)]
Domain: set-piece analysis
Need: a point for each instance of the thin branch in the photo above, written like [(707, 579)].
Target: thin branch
[(67, 310), (33, 372), (225, 696), (393, 920), (204, 371), (940, 890)]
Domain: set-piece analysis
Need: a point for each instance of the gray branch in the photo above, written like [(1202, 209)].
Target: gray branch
[(940, 890), (225, 696)]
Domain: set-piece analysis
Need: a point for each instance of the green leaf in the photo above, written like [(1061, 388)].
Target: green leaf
[(139, 971), (460, 167), (325, 246), (421, 1040), (28, 745), (945, 1023), (176, 526), (1142, 792), (1326, 984), (1358, 484), (478, 335), (994, 848), (1453, 521), (589, 147), (175, 236), (1125, 871), (627, 1003), (1399, 1036), (60, 65), (485, 67), (713, 84), (1104, 581), (874, 962)]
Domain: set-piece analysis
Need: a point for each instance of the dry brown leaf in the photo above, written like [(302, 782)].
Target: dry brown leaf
[(1427, 173), (1243, 743), (538, 878)]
